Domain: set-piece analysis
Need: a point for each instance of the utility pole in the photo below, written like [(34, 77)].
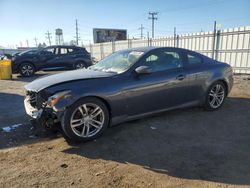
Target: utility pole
[(48, 36), (77, 33), (153, 17), (27, 43), (35, 39), (141, 28)]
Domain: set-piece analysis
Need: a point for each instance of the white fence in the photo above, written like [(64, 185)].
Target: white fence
[(229, 45)]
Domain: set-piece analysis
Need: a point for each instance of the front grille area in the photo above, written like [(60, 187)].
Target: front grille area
[(33, 98)]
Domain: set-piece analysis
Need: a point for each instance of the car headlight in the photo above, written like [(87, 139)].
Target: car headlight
[(56, 97)]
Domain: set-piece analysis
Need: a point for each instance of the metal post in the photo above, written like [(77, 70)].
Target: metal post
[(177, 41), (217, 45), (214, 36), (91, 49), (113, 46), (174, 36), (101, 50)]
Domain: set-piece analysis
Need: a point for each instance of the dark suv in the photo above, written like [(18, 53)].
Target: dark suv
[(50, 58)]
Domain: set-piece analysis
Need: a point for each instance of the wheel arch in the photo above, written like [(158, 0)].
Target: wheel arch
[(79, 61), (101, 99), (223, 81), (30, 62)]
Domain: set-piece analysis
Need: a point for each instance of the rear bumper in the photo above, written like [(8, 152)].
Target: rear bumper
[(89, 62), (14, 68), (231, 82)]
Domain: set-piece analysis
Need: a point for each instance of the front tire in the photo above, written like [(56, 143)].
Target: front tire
[(85, 120), (215, 96), (26, 69)]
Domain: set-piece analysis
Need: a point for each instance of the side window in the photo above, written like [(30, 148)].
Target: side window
[(48, 51), (163, 60), (64, 51), (151, 58), (193, 59), (56, 51), (70, 51)]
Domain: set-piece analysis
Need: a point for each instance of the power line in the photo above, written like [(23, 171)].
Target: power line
[(193, 6), (48, 36), (141, 28), (153, 17)]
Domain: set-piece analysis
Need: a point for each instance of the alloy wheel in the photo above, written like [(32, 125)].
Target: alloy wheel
[(27, 70), (216, 96), (87, 120), (80, 65)]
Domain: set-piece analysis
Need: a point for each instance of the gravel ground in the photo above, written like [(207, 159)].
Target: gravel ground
[(181, 148)]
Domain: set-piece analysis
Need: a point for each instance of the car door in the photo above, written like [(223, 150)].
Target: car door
[(49, 58), (197, 74), (163, 88), (67, 57)]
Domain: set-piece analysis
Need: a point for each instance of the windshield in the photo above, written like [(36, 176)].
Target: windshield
[(30, 52), (118, 62)]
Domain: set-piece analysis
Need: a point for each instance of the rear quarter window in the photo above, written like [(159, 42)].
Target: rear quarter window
[(80, 50), (194, 59)]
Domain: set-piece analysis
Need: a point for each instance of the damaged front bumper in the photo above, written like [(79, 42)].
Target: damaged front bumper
[(31, 111), (46, 109), (43, 117)]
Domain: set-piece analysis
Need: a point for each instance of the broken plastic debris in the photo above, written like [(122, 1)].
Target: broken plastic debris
[(32, 136), (153, 128), (6, 129), (15, 126), (10, 128), (99, 173)]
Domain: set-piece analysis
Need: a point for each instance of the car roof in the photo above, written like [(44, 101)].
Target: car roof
[(63, 46), (149, 48)]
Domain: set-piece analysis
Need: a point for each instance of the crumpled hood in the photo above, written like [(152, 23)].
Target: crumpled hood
[(42, 83)]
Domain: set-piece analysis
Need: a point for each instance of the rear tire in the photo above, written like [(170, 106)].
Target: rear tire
[(26, 69), (215, 96), (85, 120), (80, 65)]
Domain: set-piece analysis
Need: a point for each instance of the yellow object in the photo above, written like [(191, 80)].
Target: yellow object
[(5, 70)]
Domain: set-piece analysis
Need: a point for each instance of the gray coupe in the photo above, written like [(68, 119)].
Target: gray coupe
[(127, 85)]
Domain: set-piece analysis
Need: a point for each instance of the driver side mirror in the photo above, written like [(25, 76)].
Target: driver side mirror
[(143, 70)]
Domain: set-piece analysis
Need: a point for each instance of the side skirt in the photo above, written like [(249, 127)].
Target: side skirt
[(126, 118)]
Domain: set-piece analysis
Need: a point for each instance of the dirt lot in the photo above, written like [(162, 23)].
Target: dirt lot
[(182, 148)]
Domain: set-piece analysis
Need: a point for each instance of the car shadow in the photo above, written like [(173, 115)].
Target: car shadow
[(191, 144), (15, 128), (40, 74)]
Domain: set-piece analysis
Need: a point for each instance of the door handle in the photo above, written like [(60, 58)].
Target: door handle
[(180, 77)]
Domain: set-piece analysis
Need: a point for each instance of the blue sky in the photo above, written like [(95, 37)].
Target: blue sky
[(23, 20)]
